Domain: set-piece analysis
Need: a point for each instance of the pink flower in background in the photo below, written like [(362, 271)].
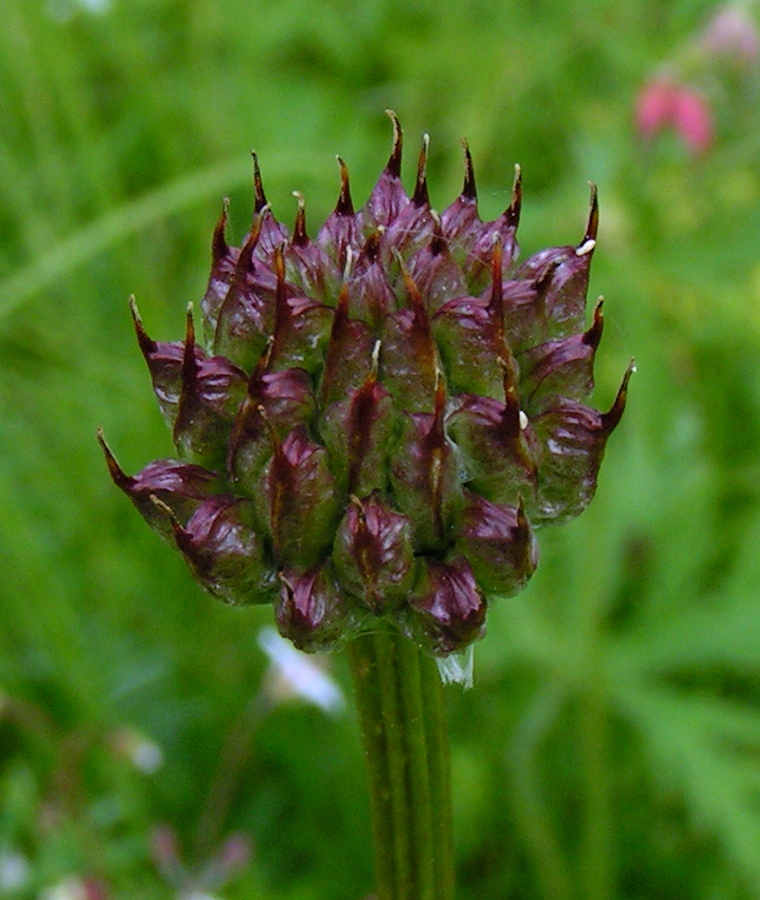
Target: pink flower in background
[(663, 104)]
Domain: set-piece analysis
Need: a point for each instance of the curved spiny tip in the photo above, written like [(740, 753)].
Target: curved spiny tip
[(594, 335), (260, 200), (468, 189), (147, 346), (394, 161), (119, 478), (345, 205), (592, 225), (219, 247), (300, 238), (421, 196), (515, 206), (611, 418)]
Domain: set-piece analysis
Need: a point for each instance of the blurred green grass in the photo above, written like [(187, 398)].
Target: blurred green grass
[(610, 747)]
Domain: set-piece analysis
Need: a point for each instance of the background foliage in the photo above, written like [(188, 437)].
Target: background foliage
[(611, 746)]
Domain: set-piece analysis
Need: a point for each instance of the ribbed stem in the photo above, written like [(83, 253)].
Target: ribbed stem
[(402, 716)]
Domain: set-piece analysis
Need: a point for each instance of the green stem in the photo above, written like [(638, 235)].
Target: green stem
[(402, 716)]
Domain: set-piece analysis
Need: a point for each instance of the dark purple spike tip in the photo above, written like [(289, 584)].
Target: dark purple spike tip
[(259, 197), (593, 336), (147, 346), (592, 225), (394, 161), (118, 476), (468, 188), (219, 246), (345, 205), (421, 196), (512, 213), (300, 238), (611, 418)]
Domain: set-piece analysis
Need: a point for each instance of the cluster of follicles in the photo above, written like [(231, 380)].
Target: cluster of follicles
[(382, 414)]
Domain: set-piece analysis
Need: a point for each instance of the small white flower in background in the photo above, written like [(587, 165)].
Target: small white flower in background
[(144, 754), (14, 871), (68, 889), (293, 675), (196, 895), (65, 10)]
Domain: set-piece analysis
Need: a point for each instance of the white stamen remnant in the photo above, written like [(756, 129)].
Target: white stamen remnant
[(585, 247), (376, 356), (457, 668), (523, 421)]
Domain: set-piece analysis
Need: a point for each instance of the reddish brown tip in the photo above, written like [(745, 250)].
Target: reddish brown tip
[(468, 189), (421, 196), (119, 478), (594, 335), (394, 161), (259, 197), (189, 363), (611, 419), (147, 346), (592, 226), (345, 205), (219, 247), (515, 207), (300, 237)]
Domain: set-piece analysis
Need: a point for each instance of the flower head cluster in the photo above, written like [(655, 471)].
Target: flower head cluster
[(382, 416)]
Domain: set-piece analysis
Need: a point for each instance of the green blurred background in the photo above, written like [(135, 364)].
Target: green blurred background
[(611, 745)]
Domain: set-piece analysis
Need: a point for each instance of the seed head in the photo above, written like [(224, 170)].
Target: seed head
[(380, 416)]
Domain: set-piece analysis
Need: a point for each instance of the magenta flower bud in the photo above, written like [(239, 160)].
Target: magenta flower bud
[(225, 553), (302, 506), (448, 611), (499, 544), (182, 487), (383, 412), (312, 610), (374, 554)]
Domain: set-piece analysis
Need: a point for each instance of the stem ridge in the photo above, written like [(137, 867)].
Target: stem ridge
[(402, 716)]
